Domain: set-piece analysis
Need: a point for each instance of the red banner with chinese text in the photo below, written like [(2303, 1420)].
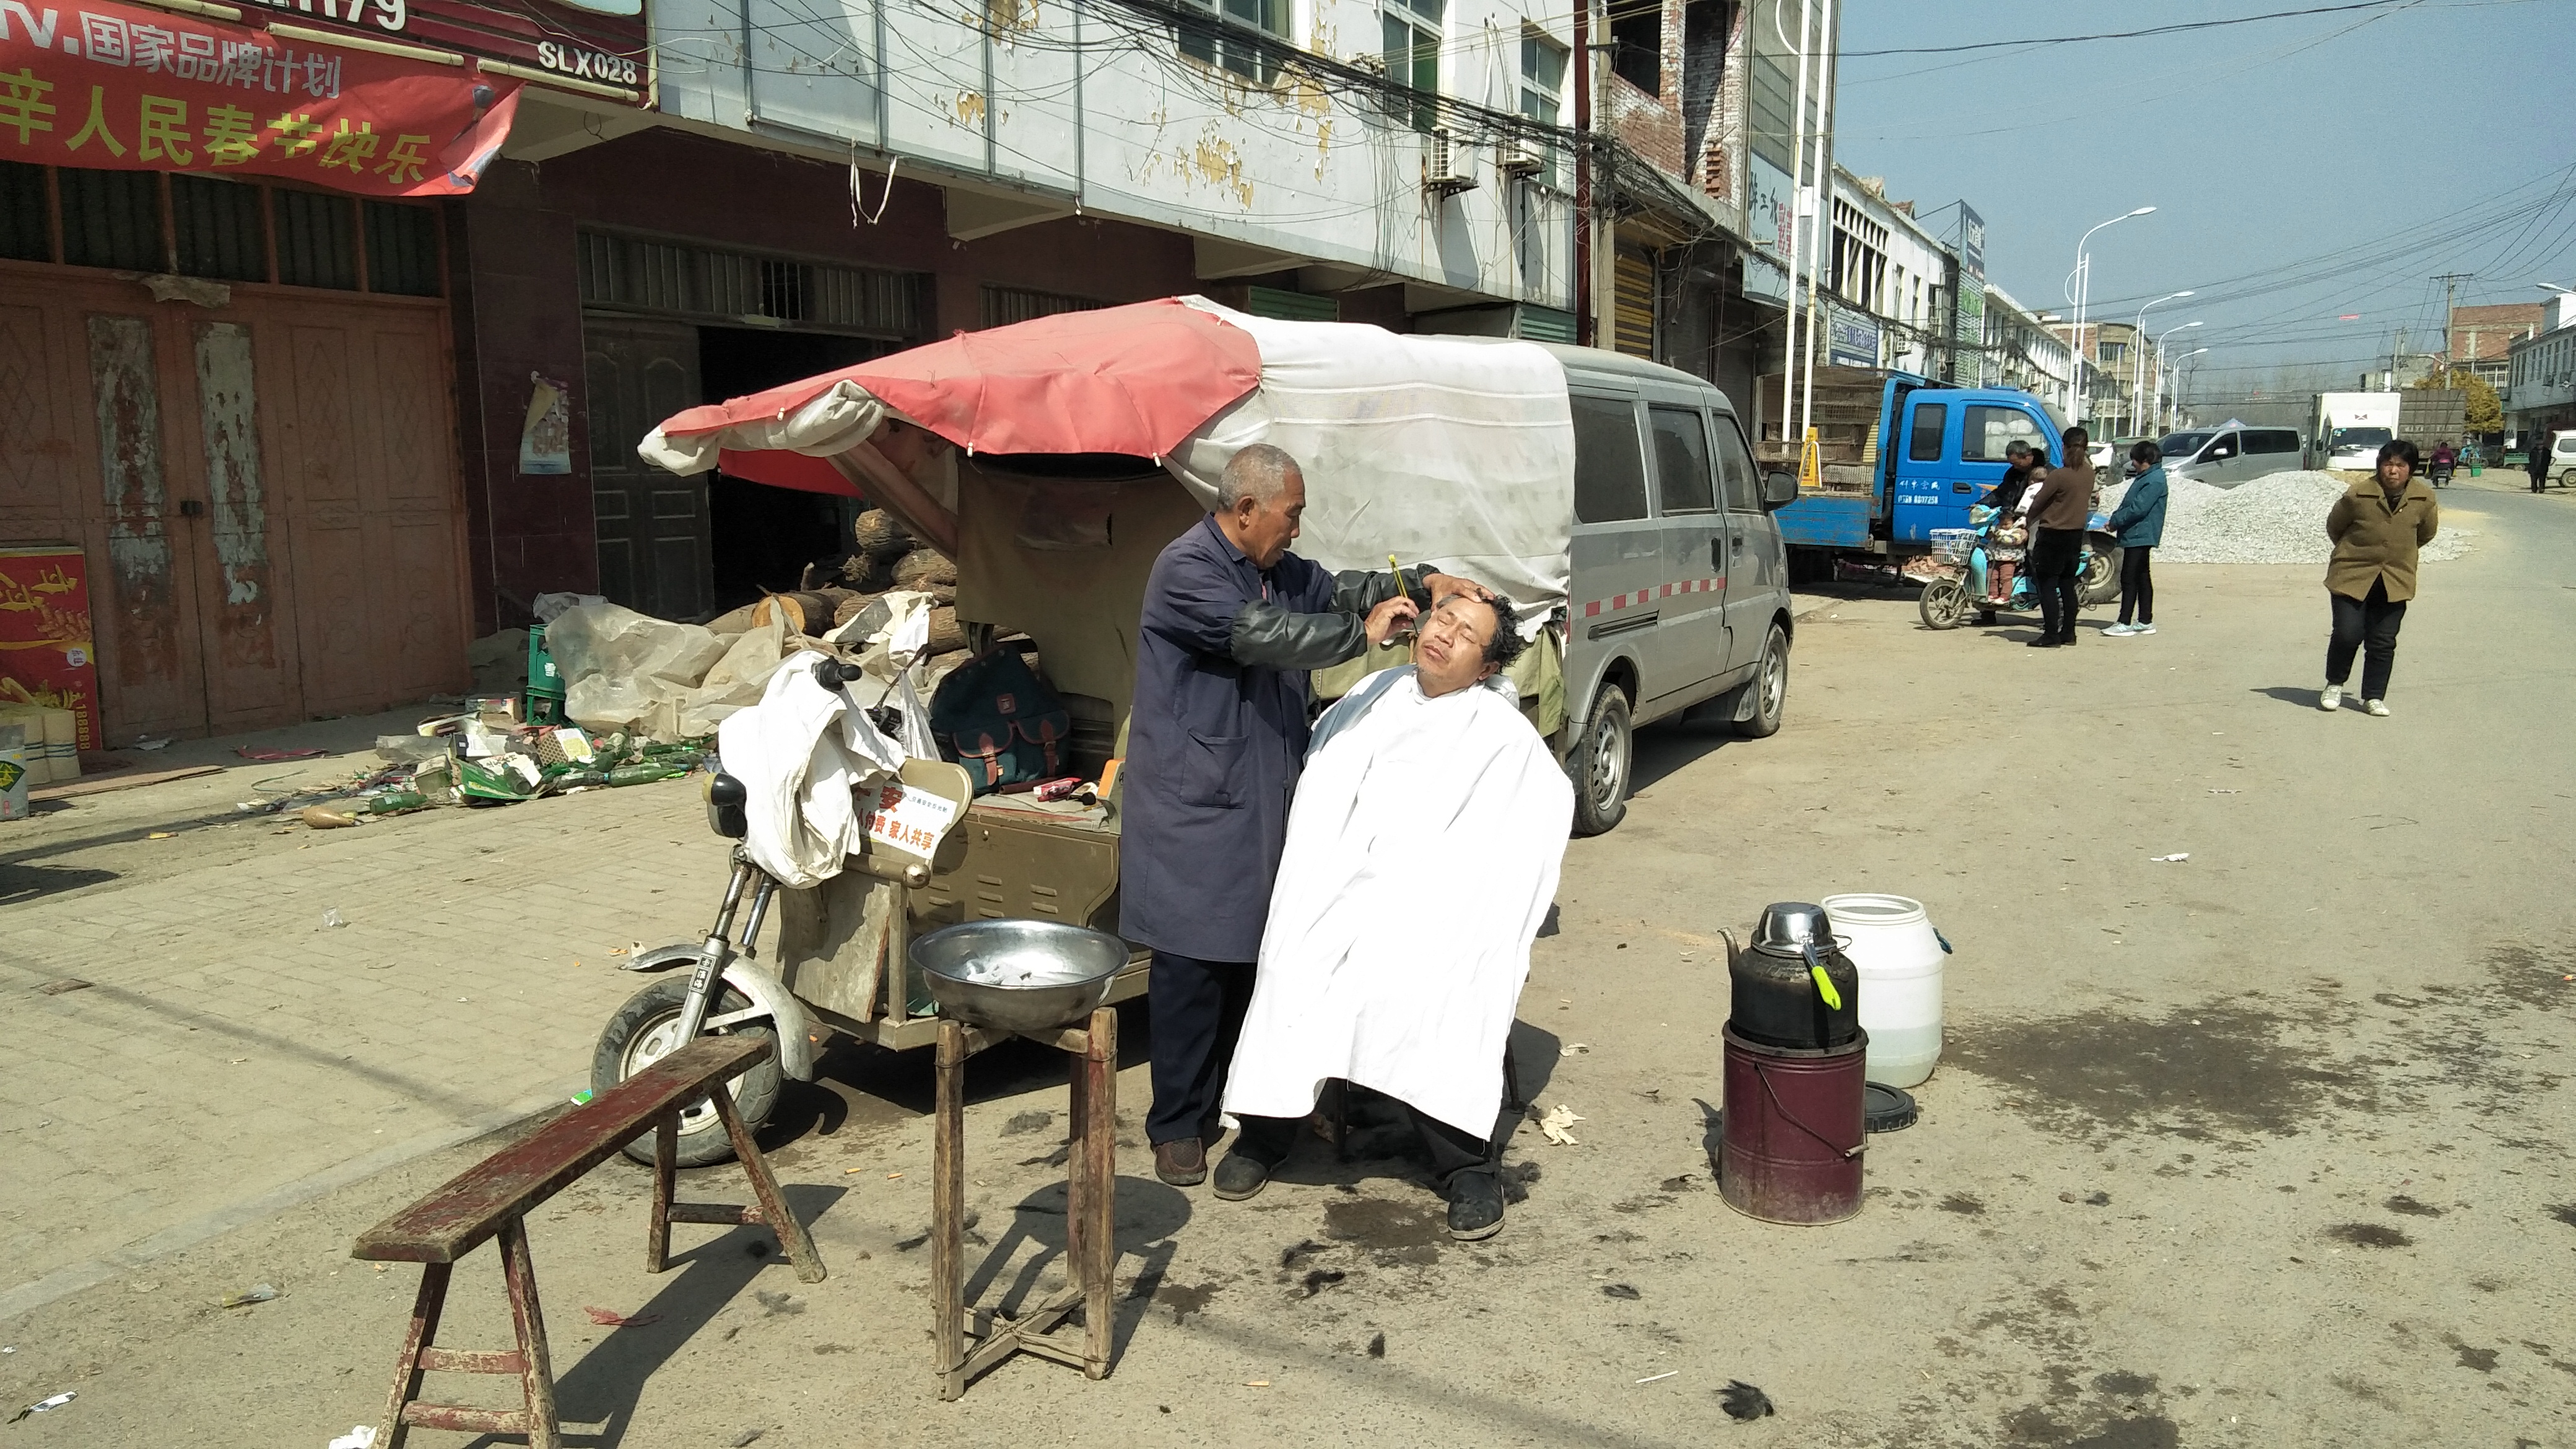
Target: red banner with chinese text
[(121, 87)]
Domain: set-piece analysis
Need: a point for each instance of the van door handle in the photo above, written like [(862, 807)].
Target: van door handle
[(1717, 560)]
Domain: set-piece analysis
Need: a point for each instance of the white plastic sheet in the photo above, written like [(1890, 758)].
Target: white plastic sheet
[(628, 671), (1437, 450)]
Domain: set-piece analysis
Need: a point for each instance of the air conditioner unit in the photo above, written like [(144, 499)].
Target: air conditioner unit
[(1516, 157), (1444, 171)]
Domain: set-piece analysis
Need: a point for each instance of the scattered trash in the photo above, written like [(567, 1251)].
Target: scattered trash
[(1579, 1048), (2173, 859), (1377, 1346), (332, 918), (1626, 1292), (67, 983), (1301, 1249), (319, 818), (360, 1436), (1320, 1279), (1659, 1378), (161, 835), (1554, 1124), (747, 1436), (260, 1294), (1256, 1383), (2226, 792), (611, 1318), (58, 1400), (1744, 1402), (2093, 1199), (581, 1098), (266, 755), (780, 1303), (152, 744)]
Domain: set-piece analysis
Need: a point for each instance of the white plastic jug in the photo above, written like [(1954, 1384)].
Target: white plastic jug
[(1900, 958)]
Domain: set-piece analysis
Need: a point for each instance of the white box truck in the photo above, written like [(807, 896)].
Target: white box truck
[(2349, 429)]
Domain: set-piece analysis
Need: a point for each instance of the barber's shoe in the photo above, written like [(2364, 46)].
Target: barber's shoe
[(1475, 1207), (2377, 707), (1182, 1162), (2330, 698), (1241, 1176)]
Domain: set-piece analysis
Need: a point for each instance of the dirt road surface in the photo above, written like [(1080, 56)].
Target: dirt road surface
[(2265, 1147)]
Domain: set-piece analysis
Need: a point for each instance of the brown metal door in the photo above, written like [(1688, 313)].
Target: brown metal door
[(655, 553)]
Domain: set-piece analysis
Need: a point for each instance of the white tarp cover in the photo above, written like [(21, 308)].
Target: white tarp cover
[(1453, 453), (842, 417), (800, 752), (1423, 851)]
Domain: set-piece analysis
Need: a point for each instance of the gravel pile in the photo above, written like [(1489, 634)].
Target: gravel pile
[(2278, 519)]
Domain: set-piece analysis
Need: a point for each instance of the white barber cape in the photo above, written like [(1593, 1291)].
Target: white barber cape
[(1422, 855)]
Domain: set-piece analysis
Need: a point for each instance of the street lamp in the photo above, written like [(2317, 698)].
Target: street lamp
[(2138, 364), (2178, 362), (2079, 294), (2156, 413)]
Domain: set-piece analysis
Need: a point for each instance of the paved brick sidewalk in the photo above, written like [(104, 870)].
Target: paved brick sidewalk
[(233, 1054)]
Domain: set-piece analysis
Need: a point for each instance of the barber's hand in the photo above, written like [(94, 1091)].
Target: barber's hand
[(1390, 619), (1441, 586)]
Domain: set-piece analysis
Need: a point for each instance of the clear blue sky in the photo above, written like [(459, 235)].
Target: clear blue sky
[(2301, 168)]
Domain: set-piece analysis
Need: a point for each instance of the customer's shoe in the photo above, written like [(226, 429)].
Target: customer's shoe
[(2119, 631), (2330, 698), (1475, 1207), (2142, 628), (1181, 1162), (2377, 707), (2044, 641), (1241, 1176), (2068, 637)]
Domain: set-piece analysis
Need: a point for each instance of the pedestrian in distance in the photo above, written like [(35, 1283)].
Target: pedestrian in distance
[(2379, 530), (2536, 458), (2139, 524), (2058, 510), (2444, 461)]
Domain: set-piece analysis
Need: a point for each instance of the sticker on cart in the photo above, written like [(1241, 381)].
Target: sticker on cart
[(909, 819)]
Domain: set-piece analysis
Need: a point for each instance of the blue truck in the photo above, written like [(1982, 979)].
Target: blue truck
[(1901, 455)]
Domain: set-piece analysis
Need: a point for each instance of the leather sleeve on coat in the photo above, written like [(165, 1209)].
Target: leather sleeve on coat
[(1268, 636), (1356, 591)]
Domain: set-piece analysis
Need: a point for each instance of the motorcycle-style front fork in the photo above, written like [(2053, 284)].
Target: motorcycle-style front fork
[(716, 951)]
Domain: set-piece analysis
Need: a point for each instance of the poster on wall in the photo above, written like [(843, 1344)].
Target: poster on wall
[(1851, 340), (46, 657), (545, 439)]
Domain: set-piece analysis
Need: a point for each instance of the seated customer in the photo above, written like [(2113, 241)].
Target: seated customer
[(1422, 855)]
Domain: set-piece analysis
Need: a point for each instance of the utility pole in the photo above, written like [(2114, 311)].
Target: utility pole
[(2450, 288)]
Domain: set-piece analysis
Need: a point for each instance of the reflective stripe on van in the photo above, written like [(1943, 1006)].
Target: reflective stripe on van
[(1594, 608)]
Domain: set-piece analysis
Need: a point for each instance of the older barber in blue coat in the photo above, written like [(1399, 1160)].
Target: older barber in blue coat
[(1232, 622)]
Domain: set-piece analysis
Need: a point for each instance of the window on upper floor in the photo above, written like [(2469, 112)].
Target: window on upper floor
[(1412, 32), (1542, 97), (1637, 44), (2109, 352), (1230, 37)]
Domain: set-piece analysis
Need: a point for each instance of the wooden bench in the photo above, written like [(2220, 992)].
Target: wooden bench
[(494, 1199)]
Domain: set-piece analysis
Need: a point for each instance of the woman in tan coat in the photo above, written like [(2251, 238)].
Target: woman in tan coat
[(2377, 529)]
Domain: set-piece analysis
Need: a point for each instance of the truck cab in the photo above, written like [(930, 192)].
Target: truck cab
[(1900, 456)]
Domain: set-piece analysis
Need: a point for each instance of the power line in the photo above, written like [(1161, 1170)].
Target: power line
[(2174, 29)]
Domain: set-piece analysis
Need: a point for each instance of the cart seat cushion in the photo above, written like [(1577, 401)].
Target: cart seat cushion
[(457, 1218)]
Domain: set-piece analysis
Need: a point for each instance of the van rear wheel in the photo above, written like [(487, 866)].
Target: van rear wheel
[(1770, 686), (1599, 764)]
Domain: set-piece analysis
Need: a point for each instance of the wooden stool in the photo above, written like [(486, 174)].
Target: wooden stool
[(494, 1198), (1090, 1244)]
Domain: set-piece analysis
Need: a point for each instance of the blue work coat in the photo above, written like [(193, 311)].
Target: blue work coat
[(2139, 521), (1213, 750)]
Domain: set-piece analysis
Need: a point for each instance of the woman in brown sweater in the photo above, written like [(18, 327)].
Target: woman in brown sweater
[(2378, 529)]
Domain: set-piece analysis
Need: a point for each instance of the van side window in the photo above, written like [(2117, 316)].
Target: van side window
[(1682, 477), (2271, 440), (1609, 468), (1990, 430), (1930, 419), (1735, 470)]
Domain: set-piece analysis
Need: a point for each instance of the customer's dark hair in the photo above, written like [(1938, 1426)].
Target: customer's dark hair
[(2017, 448), (2076, 438), (2404, 452), (2146, 452), (1507, 643)]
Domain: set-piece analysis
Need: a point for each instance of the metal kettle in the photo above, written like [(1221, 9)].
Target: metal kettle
[(1795, 988)]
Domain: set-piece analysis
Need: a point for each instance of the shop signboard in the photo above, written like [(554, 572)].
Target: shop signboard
[(1851, 340), (592, 42), (124, 87)]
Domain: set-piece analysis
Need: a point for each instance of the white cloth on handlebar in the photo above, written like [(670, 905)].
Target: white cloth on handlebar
[(800, 753)]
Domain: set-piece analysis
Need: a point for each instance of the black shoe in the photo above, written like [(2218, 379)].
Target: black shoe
[(1475, 1206), (1241, 1176), (2066, 638), (1182, 1163), (2044, 641)]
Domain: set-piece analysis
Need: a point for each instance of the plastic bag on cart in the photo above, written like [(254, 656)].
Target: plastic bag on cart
[(891, 633), (800, 753)]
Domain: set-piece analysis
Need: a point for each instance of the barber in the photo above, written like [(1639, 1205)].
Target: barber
[(1216, 732)]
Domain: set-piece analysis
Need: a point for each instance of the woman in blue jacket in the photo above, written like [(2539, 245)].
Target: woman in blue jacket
[(2139, 524)]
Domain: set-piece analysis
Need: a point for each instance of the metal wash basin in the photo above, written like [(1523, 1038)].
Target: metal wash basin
[(1032, 976)]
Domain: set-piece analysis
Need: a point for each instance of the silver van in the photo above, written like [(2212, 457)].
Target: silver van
[(2230, 453), (1679, 588)]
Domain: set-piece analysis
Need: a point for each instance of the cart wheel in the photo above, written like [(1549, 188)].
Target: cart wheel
[(1944, 604), (644, 1031), (2101, 583)]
